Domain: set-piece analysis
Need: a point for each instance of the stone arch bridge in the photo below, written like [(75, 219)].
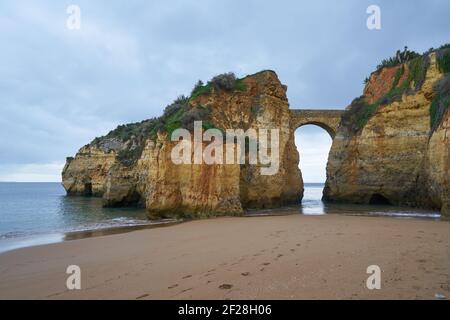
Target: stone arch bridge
[(326, 119)]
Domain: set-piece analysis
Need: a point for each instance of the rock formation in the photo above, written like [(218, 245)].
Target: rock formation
[(393, 143), (391, 146), (132, 164)]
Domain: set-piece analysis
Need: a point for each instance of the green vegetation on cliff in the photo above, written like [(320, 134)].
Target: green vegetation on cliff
[(361, 111), (441, 90), (443, 58), (226, 82), (399, 58), (441, 101), (129, 140)]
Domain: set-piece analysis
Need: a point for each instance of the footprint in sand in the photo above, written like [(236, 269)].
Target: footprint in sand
[(266, 263), (143, 296), (421, 260), (208, 274), (173, 286), (225, 286), (245, 273), (188, 276)]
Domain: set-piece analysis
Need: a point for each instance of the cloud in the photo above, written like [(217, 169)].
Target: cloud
[(62, 88), (49, 172)]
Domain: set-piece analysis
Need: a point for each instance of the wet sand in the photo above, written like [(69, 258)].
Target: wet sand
[(271, 257)]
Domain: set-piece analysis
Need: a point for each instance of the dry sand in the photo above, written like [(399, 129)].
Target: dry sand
[(277, 257)]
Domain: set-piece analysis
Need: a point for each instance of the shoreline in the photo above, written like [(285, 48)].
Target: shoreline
[(272, 257), (57, 237)]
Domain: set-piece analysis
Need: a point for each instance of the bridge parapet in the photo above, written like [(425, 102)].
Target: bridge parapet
[(328, 119)]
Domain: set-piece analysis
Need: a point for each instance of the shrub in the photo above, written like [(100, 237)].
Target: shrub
[(398, 74), (173, 121), (443, 59), (197, 86), (361, 111), (350, 118), (175, 106), (198, 113), (441, 101), (363, 117), (400, 57), (417, 72), (129, 156), (200, 90), (225, 81), (129, 140), (240, 85)]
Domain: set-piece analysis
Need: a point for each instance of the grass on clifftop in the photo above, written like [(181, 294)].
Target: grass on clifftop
[(399, 58), (360, 111), (363, 111), (227, 82)]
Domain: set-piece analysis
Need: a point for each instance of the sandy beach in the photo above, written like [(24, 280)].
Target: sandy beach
[(273, 257)]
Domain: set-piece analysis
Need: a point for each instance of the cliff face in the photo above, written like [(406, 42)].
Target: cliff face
[(133, 164), (436, 176), (387, 148), (391, 146), (86, 173)]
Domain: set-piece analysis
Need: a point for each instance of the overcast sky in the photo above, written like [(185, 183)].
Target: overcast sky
[(60, 88)]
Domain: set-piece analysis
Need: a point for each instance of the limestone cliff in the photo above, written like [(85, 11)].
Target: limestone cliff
[(392, 145), (132, 164)]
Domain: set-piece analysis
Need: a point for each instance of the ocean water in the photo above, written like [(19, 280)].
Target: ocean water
[(312, 205), (39, 213)]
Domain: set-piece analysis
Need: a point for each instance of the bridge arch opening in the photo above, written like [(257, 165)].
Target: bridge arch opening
[(313, 141), (322, 125)]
